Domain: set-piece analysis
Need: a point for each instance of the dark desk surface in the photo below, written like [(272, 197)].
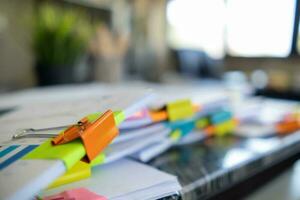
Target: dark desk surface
[(207, 168), (284, 186)]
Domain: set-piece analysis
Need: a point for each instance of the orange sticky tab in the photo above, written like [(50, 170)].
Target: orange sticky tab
[(209, 131), (158, 116), (236, 121), (99, 134), (287, 127), (196, 108)]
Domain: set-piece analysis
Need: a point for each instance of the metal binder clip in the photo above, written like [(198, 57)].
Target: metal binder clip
[(95, 135), (32, 133)]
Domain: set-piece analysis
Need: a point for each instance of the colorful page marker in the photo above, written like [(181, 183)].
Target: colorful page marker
[(209, 131), (118, 115), (287, 126), (225, 127), (139, 115), (76, 194), (8, 150), (220, 117), (98, 160), (70, 153), (185, 126), (13, 153), (81, 170), (202, 123), (180, 109), (158, 116), (175, 135)]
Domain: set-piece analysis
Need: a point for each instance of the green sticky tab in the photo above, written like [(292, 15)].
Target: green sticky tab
[(202, 123), (92, 117), (98, 160), (180, 109), (176, 135), (70, 153), (118, 115)]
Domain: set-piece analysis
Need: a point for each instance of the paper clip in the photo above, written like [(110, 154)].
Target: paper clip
[(34, 133), (95, 135), (38, 133)]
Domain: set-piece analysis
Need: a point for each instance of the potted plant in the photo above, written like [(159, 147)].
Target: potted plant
[(60, 40)]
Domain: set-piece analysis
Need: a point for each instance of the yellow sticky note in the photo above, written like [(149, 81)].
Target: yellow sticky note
[(180, 109), (231, 124), (225, 127), (220, 129), (81, 170)]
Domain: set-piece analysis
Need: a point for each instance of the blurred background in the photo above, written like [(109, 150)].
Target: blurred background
[(78, 41)]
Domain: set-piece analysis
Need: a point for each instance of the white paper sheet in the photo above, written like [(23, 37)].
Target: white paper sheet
[(125, 179)]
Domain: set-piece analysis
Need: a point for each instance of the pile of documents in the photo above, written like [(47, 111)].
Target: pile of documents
[(58, 147), (263, 117)]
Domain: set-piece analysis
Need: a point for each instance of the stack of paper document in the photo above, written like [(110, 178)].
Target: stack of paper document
[(148, 125), (260, 117), (126, 179), (24, 178), (181, 117)]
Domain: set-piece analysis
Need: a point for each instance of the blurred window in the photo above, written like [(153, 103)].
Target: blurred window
[(246, 28), (260, 27), (197, 25)]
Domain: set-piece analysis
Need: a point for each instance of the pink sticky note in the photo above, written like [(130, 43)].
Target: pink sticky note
[(76, 194), (139, 115)]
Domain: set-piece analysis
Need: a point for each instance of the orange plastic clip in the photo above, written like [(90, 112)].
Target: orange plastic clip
[(95, 135)]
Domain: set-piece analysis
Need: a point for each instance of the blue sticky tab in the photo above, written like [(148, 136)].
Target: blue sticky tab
[(17, 156), (220, 117), (7, 150), (185, 126)]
